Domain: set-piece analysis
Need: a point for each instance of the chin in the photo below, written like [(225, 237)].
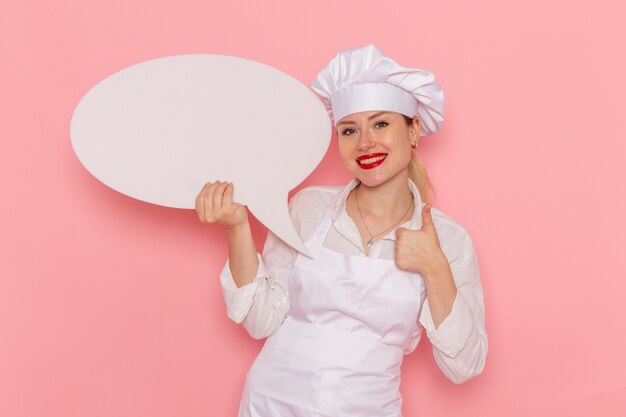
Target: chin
[(370, 181), (375, 179)]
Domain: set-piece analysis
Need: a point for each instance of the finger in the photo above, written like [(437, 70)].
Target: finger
[(218, 196), (200, 202), (208, 200), (427, 218), (200, 205), (399, 260), (400, 231), (397, 248), (228, 196)]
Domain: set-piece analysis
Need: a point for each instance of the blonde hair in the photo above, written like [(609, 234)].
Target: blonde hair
[(417, 171), (419, 176)]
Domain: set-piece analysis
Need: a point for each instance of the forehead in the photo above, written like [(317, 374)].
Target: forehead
[(366, 116)]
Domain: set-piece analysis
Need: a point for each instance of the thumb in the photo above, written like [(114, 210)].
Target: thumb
[(427, 218), (400, 230)]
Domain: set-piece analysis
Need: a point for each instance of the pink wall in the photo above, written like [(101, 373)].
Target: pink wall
[(112, 307)]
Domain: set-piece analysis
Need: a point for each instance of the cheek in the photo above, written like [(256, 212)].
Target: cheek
[(347, 144), (345, 152), (404, 156), (407, 156)]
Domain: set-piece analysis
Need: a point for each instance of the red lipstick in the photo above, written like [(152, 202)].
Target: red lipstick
[(371, 160)]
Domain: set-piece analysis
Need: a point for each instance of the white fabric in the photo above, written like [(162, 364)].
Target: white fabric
[(372, 96), (339, 350), (459, 343), (417, 94)]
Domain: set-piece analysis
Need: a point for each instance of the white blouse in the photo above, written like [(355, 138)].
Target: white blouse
[(460, 341)]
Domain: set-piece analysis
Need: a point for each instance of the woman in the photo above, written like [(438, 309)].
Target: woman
[(384, 264)]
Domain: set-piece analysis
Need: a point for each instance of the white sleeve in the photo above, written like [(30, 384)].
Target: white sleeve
[(460, 341), (261, 305)]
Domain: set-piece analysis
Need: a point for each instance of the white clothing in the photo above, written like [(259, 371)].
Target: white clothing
[(460, 341), (339, 350)]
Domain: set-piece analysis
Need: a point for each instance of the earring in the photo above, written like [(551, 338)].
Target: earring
[(414, 146)]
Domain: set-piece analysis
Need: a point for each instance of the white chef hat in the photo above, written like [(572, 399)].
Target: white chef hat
[(364, 79)]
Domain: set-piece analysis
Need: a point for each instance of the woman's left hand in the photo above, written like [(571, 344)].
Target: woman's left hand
[(419, 250)]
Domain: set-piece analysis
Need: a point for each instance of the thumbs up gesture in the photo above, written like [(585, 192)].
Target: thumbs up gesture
[(419, 250)]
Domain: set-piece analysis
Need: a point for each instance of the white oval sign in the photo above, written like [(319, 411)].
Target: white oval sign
[(159, 130)]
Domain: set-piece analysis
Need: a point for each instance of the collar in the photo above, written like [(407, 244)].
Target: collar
[(340, 215)]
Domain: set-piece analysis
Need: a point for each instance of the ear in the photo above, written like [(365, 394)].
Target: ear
[(415, 129)]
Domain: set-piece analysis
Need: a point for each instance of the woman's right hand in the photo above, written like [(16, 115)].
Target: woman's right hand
[(214, 204)]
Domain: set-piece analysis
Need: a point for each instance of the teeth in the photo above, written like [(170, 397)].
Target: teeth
[(372, 160)]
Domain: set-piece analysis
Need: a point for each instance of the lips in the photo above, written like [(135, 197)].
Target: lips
[(370, 161)]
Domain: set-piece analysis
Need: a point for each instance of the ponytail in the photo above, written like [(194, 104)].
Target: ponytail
[(417, 170), (419, 176)]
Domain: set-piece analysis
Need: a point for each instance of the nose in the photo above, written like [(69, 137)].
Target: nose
[(365, 141)]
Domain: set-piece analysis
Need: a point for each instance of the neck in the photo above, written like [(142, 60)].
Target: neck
[(387, 199)]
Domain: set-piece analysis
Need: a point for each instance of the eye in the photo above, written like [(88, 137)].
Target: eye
[(381, 124), (348, 131)]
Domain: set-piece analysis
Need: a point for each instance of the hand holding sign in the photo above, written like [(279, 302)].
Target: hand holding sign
[(214, 204), (159, 130)]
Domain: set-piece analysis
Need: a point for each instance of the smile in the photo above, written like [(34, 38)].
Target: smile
[(371, 161)]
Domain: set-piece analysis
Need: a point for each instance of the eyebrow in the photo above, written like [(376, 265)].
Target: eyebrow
[(373, 116)]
